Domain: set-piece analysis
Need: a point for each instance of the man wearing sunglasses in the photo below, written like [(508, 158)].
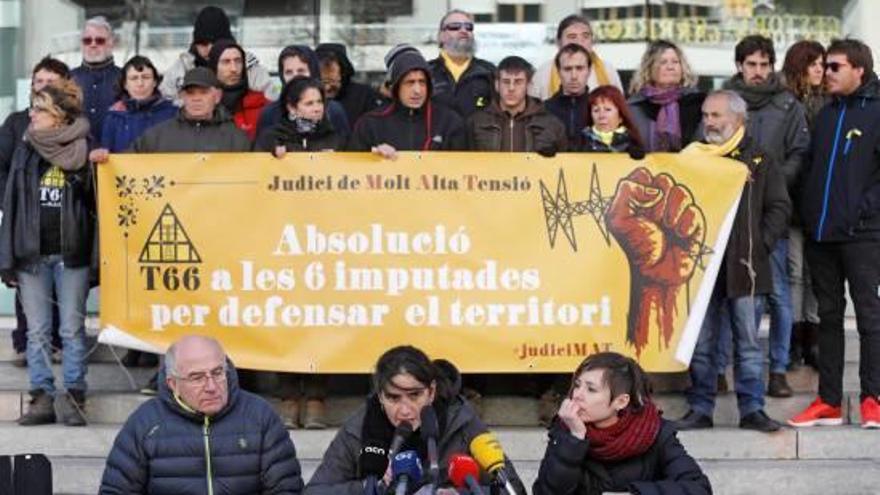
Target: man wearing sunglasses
[(841, 217), (461, 81), (202, 430), (98, 75), (778, 124)]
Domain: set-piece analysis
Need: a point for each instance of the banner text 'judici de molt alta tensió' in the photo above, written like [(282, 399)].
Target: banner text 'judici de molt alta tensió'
[(497, 262)]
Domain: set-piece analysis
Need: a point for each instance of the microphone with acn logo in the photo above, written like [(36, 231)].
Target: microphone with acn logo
[(487, 451), (372, 463), (464, 472), (406, 467)]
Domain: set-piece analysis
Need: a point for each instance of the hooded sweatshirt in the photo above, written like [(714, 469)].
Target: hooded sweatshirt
[(356, 98), (430, 127)]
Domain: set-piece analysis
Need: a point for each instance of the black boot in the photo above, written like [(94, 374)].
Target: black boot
[(75, 415), (796, 351), (777, 386), (810, 344), (41, 409)]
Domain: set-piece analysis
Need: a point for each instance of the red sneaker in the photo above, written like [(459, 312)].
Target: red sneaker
[(870, 413), (819, 414)]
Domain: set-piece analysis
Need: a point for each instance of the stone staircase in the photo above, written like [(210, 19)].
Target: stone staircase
[(839, 460)]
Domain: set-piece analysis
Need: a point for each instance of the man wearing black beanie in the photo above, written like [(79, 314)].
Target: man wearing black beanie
[(212, 24)]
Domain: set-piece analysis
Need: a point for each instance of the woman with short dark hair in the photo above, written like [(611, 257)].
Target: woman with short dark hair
[(140, 106), (609, 437)]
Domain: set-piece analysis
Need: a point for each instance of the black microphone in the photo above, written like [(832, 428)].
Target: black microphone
[(401, 435), (430, 432), (372, 464)]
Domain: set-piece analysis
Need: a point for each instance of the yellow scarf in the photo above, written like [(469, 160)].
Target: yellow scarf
[(454, 68), (608, 137), (723, 149), (597, 66)]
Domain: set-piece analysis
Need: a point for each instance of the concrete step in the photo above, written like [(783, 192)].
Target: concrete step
[(802, 380), (114, 408), (78, 476), (737, 462), (527, 444), (101, 377)]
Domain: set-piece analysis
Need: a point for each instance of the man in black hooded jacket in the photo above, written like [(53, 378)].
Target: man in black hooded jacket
[(411, 122), (336, 76), (840, 209)]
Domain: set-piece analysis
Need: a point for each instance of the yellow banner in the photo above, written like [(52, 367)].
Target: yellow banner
[(497, 262)]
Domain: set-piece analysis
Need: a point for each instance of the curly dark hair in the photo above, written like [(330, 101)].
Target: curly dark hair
[(798, 59)]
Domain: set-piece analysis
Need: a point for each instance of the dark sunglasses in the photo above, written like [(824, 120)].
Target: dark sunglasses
[(835, 66), (88, 40), (457, 26)]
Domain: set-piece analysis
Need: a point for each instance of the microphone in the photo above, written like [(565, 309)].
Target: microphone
[(430, 432), (401, 434), (406, 468), (464, 471), (372, 463), (487, 451)]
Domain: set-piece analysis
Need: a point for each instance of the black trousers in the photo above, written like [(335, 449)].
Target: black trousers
[(858, 264)]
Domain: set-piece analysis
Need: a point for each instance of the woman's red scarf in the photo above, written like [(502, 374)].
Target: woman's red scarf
[(631, 436)]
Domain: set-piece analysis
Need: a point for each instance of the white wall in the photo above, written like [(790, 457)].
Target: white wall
[(43, 19), (860, 21)]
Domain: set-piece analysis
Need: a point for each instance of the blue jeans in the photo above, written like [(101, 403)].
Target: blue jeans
[(781, 313), (725, 335), (71, 286), (748, 359)]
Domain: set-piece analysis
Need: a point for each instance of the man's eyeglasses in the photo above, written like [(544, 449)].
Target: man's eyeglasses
[(88, 40), (457, 26), (200, 379), (835, 66)]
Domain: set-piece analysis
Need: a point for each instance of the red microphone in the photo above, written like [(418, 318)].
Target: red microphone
[(464, 472)]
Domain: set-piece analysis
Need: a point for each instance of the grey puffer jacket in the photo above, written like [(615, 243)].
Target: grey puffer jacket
[(338, 472), (165, 448)]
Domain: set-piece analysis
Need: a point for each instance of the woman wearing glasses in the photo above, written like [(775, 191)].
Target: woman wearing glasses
[(47, 242), (404, 383)]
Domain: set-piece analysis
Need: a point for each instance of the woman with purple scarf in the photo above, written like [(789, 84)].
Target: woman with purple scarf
[(664, 100)]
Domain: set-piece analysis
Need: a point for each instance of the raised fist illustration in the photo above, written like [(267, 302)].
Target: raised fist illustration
[(662, 232)]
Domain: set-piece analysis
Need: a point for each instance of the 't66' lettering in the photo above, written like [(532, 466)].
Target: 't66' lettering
[(171, 278)]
